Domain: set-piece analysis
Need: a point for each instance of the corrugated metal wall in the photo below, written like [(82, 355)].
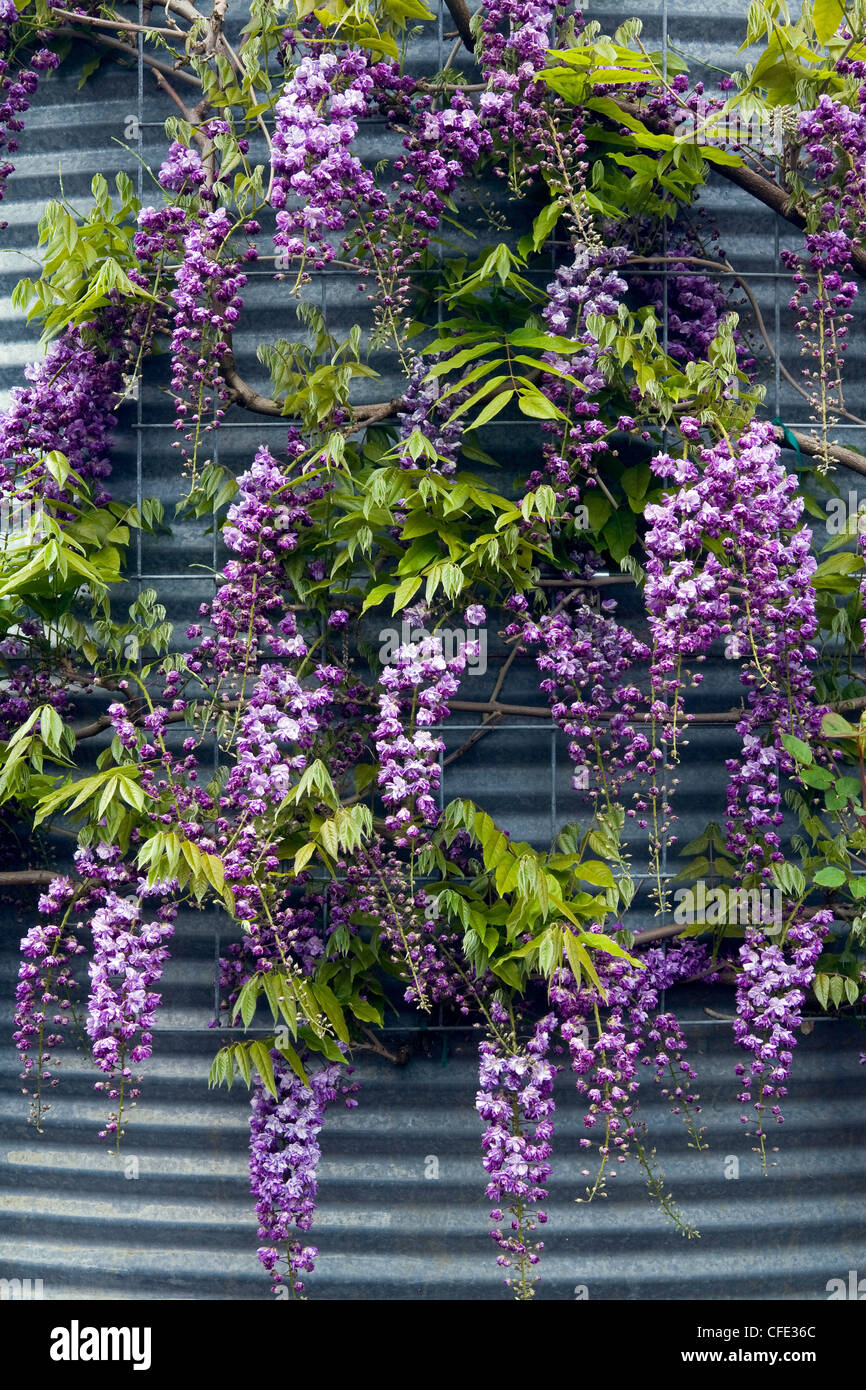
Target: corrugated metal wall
[(403, 1214)]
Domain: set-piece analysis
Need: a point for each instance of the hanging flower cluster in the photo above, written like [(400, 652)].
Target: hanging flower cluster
[(316, 123), (757, 596), (69, 406), (584, 654), (409, 770), (128, 958), (515, 1098), (284, 1157), (606, 1054), (49, 949), (262, 528), (510, 60), (208, 303), (16, 90), (771, 990), (587, 290)]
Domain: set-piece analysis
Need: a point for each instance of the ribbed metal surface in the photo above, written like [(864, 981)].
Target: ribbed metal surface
[(178, 1222), (403, 1213)]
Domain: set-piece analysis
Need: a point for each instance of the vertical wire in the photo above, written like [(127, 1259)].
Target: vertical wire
[(777, 313), (139, 417), (552, 783), (665, 275)]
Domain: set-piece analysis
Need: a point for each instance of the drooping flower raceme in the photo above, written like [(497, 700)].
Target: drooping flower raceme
[(771, 989), (316, 121), (584, 655), (16, 89), (128, 958), (515, 36), (419, 676), (49, 949), (607, 1052), (284, 1157), (758, 596), (515, 1098), (584, 290), (68, 406), (207, 302)]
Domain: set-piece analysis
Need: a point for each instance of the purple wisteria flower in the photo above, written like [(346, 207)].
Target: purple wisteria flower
[(315, 174), (16, 91), (284, 1157), (771, 989), (128, 958), (584, 654), (208, 304), (757, 595), (583, 292), (515, 1098), (408, 757), (182, 170)]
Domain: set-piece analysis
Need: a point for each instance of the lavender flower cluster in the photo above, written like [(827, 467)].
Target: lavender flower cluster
[(408, 762), (128, 958), (630, 1036), (284, 1157), (208, 303), (582, 292), (316, 121), (584, 655), (771, 989), (758, 597), (15, 91), (68, 406), (515, 1098)]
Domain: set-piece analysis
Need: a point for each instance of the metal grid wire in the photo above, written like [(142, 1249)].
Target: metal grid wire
[(146, 428)]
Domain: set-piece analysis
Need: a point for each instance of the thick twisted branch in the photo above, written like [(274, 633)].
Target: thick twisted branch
[(460, 14)]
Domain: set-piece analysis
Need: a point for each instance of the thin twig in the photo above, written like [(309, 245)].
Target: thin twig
[(125, 25), (116, 45)]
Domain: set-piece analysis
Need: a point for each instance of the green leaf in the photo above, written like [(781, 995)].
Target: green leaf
[(377, 596), (545, 223), (260, 1056), (536, 406), (835, 726), (797, 748), (507, 971), (304, 855), (550, 951), (492, 409), (365, 1011), (619, 534), (406, 591), (329, 1005), (294, 1061), (827, 15), (816, 777), (830, 876), (593, 871), (242, 1057)]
